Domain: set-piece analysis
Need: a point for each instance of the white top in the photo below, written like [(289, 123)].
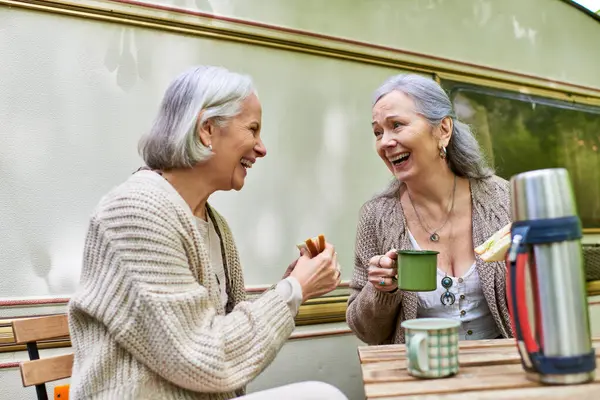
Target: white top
[(469, 306), (288, 288), (213, 245)]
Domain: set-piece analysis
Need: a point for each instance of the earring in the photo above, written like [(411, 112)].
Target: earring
[(210, 147), (443, 152)]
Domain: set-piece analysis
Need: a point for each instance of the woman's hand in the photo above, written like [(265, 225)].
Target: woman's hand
[(382, 271), (318, 275)]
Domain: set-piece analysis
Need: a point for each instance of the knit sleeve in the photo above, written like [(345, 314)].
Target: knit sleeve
[(371, 313), (139, 283)]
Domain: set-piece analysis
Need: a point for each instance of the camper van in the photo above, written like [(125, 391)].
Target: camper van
[(80, 82)]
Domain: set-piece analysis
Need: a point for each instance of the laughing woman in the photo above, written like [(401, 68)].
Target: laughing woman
[(444, 198), (161, 311)]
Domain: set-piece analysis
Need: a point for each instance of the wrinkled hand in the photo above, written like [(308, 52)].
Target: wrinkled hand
[(318, 275), (382, 271)]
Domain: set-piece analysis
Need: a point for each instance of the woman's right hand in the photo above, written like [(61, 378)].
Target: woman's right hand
[(382, 271), (318, 275)]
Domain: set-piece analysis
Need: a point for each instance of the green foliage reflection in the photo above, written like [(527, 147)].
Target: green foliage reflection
[(525, 134)]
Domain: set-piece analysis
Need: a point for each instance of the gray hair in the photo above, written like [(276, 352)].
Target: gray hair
[(464, 155), (172, 141)]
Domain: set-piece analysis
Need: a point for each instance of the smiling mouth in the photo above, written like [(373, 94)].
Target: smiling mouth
[(246, 163), (399, 158)]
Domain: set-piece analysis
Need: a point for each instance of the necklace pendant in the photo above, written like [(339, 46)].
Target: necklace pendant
[(447, 298), (446, 282), (434, 237)]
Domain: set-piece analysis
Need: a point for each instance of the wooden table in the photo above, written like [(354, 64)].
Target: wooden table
[(489, 369)]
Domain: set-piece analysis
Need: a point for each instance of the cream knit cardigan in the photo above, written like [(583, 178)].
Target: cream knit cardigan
[(147, 320)]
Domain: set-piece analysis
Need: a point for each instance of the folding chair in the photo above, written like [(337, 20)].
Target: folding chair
[(39, 371)]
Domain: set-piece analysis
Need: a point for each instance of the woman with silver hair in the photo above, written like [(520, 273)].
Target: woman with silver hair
[(444, 198), (161, 311)]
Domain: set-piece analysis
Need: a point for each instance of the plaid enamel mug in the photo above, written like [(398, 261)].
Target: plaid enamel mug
[(432, 347)]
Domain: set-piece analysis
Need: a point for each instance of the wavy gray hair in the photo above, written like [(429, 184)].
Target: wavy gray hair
[(464, 155), (172, 141)]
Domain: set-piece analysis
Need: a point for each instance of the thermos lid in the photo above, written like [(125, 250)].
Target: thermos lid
[(542, 194)]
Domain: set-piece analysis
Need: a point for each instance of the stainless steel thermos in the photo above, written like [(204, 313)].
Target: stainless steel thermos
[(546, 279)]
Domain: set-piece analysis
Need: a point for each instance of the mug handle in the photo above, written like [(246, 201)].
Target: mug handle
[(417, 352)]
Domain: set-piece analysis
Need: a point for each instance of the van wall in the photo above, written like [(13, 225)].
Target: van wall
[(79, 97), (548, 38)]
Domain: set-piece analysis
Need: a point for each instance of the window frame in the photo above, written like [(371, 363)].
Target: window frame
[(518, 96)]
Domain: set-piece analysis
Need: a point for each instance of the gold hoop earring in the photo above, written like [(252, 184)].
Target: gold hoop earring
[(443, 152)]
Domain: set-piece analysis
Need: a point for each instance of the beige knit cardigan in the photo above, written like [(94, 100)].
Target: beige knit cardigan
[(375, 316), (147, 321)]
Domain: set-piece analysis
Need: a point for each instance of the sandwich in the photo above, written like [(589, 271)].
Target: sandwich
[(314, 245), (496, 247)]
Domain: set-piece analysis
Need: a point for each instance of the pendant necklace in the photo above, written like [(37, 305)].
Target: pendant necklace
[(447, 298), (433, 234)]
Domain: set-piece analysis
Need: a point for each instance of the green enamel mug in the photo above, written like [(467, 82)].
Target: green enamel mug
[(417, 270)]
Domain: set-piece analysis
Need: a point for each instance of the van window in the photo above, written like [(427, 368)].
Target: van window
[(519, 133)]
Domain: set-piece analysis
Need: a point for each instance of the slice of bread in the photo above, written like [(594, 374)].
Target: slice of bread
[(496, 247), (314, 245), (321, 242)]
